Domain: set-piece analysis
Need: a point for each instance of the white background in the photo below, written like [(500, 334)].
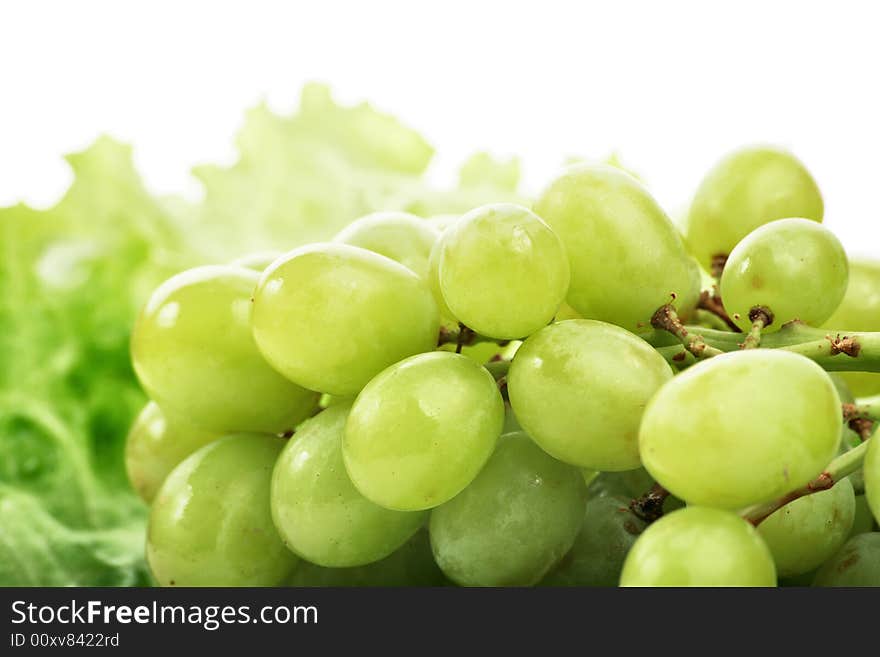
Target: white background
[(670, 85)]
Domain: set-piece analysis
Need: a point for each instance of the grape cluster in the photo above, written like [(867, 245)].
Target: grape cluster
[(575, 394)]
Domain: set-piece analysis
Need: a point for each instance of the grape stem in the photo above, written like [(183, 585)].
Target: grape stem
[(835, 351), (649, 507), (677, 356), (711, 302), (760, 317), (838, 469), (868, 407), (462, 336), (859, 418), (667, 319)]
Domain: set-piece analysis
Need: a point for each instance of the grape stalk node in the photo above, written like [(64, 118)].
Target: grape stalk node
[(667, 319), (844, 345), (649, 507), (760, 317)]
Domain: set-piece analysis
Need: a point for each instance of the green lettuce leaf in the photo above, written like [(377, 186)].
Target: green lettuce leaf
[(301, 178), (37, 550), (71, 279)]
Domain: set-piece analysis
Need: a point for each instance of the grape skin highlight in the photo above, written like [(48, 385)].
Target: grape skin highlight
[(317, 510), (579, 388), (871, 470), (332, 316), (211, 524), (741, 428), (503, 272), (193, 351), (421, 430)]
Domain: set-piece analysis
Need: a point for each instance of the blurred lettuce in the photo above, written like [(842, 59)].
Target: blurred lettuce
[(73, 277), (38, 550)]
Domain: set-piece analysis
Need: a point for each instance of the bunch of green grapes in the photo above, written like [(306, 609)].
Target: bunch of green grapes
[(480, 399)]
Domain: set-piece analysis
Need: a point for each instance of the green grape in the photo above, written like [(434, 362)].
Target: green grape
[(156, 443), (579, 388), (871, 474), (616, 233), (806, 532), (699, 546), (503, 272), (795, 267), (446, 316), (193, 352), (317, 510), (421, 430), (211, 525), (857, 563), (860, 311), (748, 189), (257, 261), (332, 316), (608, 532), (849, 440), (403, 237), (863, 520), (513, 522), (412, 564), (741, 428)]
